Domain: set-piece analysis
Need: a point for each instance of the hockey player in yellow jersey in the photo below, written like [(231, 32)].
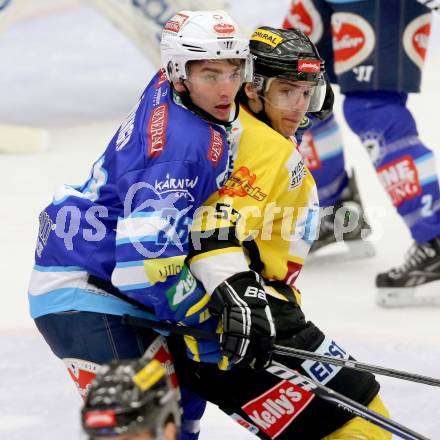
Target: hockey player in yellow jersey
[(248, 244)]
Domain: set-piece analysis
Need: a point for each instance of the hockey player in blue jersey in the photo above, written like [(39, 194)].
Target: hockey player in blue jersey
[(127, 225), (376, 54)]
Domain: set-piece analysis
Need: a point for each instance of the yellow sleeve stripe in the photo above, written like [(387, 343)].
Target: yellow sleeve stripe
[(198, 305), (192, 346), (228, 250)]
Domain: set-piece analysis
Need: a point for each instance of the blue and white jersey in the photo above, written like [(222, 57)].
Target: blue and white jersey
[(128, 223)]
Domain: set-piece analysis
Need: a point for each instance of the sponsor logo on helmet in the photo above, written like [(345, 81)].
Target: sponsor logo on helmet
[(416, 38), (400, 179), (156, 130), (276, 409), (266, 37), (313, 66), (304, 16), (215, 151), (224, 28), (241, 184), (100, 419), (353, 40), (175, 23)]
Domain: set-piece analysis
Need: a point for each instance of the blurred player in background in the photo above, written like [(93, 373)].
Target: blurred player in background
[(375, 52), (132, 400)]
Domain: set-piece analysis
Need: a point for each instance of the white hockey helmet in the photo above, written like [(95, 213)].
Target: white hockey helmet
[(202, 35)]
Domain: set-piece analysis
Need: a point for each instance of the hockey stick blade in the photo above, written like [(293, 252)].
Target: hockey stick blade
[(355, 365), (342, 402)]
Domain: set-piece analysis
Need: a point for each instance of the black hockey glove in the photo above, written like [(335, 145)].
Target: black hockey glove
[(248, 329)]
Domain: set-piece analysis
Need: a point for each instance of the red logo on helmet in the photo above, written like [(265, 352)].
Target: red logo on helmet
[(353, 40), (416, 38), (174, 24), (304, 17), (224, 28), (313, 66), (100, 419)]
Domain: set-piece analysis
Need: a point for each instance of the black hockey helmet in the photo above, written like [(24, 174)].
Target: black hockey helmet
[(130, 396), (291, 55)]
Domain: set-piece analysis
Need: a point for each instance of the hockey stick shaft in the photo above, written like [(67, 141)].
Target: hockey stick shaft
[(321, 391), (344, 403), (290, 352), (169, 328), (355, 365)]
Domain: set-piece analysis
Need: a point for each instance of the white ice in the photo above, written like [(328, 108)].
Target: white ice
[(71, 72)]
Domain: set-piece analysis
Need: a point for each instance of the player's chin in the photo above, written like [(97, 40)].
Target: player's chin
[(221, 113), (289, 127)]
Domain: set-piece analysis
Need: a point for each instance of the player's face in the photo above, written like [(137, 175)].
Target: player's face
[(169, 433), (144, 435), (213, 86), (286, 103)]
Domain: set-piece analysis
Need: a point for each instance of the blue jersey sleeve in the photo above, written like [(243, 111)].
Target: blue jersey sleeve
[(152, 235)]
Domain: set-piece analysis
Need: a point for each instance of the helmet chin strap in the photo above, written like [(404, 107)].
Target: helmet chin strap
[(188, 103)]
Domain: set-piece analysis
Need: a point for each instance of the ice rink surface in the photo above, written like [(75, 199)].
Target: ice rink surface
[(72, 72)]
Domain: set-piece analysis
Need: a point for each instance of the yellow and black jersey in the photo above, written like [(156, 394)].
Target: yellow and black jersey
[(263, 218)]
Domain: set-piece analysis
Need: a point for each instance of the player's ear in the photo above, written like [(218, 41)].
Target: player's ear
[(250, 91), (179, 87), (254, 101)]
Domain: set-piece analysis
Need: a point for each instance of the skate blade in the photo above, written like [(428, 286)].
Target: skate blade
[(426, 295), (342, 251)]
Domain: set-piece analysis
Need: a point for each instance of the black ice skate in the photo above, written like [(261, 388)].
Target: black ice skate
[(343, 231), (416, 282)]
